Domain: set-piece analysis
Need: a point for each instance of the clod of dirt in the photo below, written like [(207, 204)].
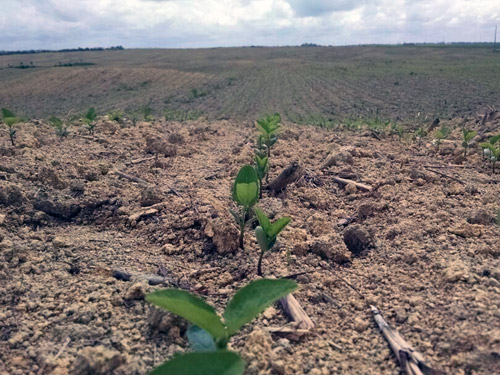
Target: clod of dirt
[(224, 235), (77, 188), (150, 196), (176, 138), (456, 271), (258, 353), (480, 217), (136, 291), (351, 188), (447, 149), (157, 146), (50, 177), (54, 206), (11, 195), (97, 360), (357, 239), (317, 225), (330, 248), (366, 210), (338, 158), (466, 230)]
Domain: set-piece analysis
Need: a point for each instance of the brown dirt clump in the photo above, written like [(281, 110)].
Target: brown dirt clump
[(80, 246)]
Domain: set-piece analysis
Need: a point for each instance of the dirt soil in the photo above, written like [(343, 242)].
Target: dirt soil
[(80, 246)]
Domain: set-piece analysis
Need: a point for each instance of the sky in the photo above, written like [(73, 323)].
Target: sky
[(57, 24)]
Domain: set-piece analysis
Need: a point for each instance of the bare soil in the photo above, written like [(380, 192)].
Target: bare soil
[(68, 222)]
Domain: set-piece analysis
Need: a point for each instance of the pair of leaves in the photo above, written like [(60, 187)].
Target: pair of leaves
[(246, 187), (9, 118), (442, 133), (245, 305), (90, 116), (468, 135), (421, 132), (56, 122), (271, 229), (222, 362), (7, 113)]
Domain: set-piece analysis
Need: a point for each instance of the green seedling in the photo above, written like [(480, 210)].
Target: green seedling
[(115, 116), (266, 233), (440, 135), (420, 134), (60, 127), (396, 129), (246, 194), (468, 135), (147, 112), (261, 167), (90, 120), (487, 146), (209, 335), (10, 119), (268, 127)]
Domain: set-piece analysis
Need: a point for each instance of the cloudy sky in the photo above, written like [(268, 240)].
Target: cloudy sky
[(54, 24)]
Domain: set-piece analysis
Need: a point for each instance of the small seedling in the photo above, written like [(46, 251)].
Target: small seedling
[(266, 234), (268, 127), (420, 134), (147, 112), (487, 146), (10, 119), (261, 167), (209, 335), (245, 193), (60, 127), (115, 116), (90, 120), (396, 129), (468, 135), (440, 135)]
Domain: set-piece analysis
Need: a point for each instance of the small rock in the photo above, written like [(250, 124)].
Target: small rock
[(330, 248), (360, 325), (351, 188), (269, 313), (466, 230), (366, 210), (357, 239), (337, 158), (456, 271), (224, 235), (150, 196), (59, 242), (97, 360)]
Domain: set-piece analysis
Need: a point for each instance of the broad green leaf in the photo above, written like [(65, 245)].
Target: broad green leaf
[(9, 121), (200, 340), (7, 114), (191, 308), (262, 240), (246, 186), (253, 299), (57, 122), (495, 139), (222, 362), (264, 221), (278, 226), (91, 114)]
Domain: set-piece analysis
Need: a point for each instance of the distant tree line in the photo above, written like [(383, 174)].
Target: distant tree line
[(80, 49)]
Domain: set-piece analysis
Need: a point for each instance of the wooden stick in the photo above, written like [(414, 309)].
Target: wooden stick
[(292, 308), (345, 181), (445, 175), (410, 360), (290, 174), (137, 161), (138, 180), (447, 166)]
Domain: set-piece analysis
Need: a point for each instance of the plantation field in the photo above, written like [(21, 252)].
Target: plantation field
[(89, 224), (312, 85)]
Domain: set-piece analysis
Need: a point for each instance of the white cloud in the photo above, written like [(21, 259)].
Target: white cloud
[(26, 24)]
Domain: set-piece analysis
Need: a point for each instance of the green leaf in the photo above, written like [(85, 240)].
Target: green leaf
[(278, 226), (495, 139), (264, 221), (222, 362), (191, 308), (246, 187), (200, 340), (56, 122), (253, 299), (7, 113), (262, 239), (9, 121), (91, 114)]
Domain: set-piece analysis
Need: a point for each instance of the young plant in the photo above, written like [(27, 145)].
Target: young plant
[(209, 335), (10, 119), (440, 135), (147, 112), (468, 135), (90, 120), (268, 127), (261, 167), (245, 193), (420, 134), (60, 127), (115, 116), (266, 233), (487, 146)]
